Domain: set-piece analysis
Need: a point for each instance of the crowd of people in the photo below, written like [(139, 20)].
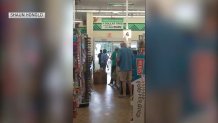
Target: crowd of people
[(121, 68)]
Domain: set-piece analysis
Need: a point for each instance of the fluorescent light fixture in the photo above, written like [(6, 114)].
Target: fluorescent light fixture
[(115, 12), (108, 11), (119, 4), (87, 11), (119, 16), (78, 21)]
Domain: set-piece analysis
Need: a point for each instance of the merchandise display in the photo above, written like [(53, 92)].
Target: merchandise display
[(82, 72), (87, 70), (138, 82)]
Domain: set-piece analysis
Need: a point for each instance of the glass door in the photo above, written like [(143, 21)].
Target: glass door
[(101, 45)]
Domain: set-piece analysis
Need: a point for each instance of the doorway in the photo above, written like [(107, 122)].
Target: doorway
[(109, 46)]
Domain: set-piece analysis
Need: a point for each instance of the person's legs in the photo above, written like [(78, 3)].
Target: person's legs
[(130, 88), (123, 78), (124, 88), (104, 67), (115, 79), (117, 75), (129, 78), (101, 66), (113, 68)]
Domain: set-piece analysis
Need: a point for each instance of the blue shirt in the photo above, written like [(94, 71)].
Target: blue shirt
[(125, 57), (164, 56), (104, 58)]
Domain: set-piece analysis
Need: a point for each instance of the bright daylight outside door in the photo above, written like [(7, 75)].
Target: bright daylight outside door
[(109, 46)]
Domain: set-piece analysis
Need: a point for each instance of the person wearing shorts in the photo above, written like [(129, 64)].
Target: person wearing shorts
[(126, 76), (124, 59)]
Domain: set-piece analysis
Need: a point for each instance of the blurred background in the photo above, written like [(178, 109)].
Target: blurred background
[(36, 65)]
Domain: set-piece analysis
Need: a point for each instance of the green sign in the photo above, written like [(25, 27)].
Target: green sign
[(132, 26), (119, 20), (112, 23)]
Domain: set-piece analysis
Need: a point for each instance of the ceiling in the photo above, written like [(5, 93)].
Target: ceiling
[(137, 5), (104, 4)]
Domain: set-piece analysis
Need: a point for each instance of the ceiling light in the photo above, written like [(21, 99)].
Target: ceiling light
[(78, 21), (94, 11), (119, 4), (108, 11), (100, 16), (115, 12)]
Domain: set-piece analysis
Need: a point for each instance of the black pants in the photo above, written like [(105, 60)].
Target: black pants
[(100, 65), (113, 69), (104, 66)]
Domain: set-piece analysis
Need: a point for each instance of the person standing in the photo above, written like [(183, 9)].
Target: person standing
[(99, 58), (113, 66), (104, 59), (124, 59), (165, 69), (203, 70)]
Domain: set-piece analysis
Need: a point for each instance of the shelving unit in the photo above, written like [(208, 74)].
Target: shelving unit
[(82, 70), (87, 72)]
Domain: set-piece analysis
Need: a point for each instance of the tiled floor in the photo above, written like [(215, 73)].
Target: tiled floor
[(105, 107)]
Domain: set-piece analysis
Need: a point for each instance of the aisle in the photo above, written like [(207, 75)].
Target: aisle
[(105, 107)]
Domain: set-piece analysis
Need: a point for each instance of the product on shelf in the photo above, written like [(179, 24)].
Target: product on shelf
[(82, 72)]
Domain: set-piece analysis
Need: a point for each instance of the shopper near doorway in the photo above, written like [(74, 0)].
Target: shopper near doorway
[(99, 58), (113, 67), (124, 59), (104, 59)]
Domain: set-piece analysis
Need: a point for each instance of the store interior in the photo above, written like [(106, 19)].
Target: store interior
[(99, 25), (52, 71)]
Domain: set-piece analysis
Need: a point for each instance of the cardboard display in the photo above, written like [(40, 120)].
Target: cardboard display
[(139, 100)]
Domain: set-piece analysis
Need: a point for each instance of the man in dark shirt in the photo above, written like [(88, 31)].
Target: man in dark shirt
[(99, 59), (104, 59)]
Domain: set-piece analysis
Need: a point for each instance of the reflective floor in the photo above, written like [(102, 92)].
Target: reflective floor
[(105, 107)]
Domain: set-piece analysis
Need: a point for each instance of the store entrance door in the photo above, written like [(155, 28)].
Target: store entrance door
[(109, 46)]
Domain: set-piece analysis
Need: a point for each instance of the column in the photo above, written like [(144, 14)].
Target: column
[(89, 23)]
